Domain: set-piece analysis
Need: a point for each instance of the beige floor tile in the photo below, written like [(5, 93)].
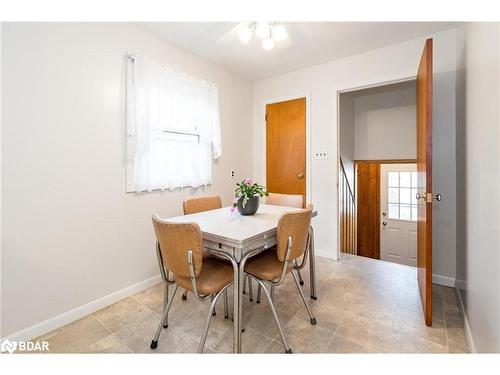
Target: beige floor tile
[(109, 344), (303, 337), (406, 343), (367, 332), (121, 314), (252, 342), (77, 336), (456, 336), (342, 345), (275, 347), (413, 322), (259, 317), (370, 307), (138, 335), (338, 296), (218, 338), (326, 315)]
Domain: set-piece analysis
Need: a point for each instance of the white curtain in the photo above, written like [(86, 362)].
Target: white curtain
[(173, 126)]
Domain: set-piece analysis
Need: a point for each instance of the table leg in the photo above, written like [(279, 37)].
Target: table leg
[(240, 302), (236, 303), (312, 265)]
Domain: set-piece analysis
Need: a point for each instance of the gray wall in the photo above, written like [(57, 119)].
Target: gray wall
[(478, 181), (385, 122), (71, 233)]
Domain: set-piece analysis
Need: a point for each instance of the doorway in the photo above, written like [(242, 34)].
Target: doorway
[(398, 213), (377, 132), (383, 142)]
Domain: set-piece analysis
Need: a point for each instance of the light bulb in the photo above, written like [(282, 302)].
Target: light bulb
[(279, 33), (262, 30), (268, 44), (245, 34)]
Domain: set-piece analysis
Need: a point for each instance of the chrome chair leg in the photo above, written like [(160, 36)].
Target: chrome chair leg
[(184, 295), (226, 313), (300, 278), (275, 316), (154, 342), (250, 290), (272, 292), (245, 285), (258, 293), (214, 300), (165, 302), (311, 317)]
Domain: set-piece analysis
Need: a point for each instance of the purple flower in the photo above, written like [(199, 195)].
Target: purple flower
[(248, 181)]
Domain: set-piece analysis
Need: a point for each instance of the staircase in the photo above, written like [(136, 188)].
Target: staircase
[(347, 210)]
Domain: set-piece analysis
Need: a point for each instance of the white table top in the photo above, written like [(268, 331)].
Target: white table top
[(236, 227)]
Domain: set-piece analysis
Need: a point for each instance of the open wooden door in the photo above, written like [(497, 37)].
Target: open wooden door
[(286, 147), (424, 173)]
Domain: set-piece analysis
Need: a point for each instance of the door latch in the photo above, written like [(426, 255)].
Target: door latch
[(428, 197)]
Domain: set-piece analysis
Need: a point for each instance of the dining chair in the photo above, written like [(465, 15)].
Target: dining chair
[(200, 204), (179, 251), (273, 265), (288, 200)]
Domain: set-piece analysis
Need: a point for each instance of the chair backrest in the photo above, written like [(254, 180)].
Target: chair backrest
[(288, 200), (175, 240), (194, 205), (293, 224)]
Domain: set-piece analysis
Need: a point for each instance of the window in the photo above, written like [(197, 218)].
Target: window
[(402, 188), (173, 128)]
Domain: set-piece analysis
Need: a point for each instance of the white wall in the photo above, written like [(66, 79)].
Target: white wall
[(71, 233), (478, 181), (385, 122), (380, 65), (346, 134)]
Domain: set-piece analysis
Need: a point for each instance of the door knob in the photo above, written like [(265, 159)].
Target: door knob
[(428, 197), (300, 176), (384, 223)]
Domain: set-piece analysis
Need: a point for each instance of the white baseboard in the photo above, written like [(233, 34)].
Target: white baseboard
[(325, 254), (468, 332), (81, 311), (443, 280)]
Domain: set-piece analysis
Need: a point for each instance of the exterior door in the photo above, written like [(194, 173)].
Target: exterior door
[(424, 177), (368, 209), (398, 206), (286, 147)]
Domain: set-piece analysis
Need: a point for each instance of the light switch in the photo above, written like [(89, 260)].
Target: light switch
[(320, 155)]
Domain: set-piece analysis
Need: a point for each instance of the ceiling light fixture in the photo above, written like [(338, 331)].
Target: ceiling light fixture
[(269, 32)]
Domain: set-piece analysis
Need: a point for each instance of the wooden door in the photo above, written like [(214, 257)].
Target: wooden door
[(368, 207), (424, 178), (286, 147)]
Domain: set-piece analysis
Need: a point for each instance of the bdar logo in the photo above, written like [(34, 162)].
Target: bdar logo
[(8, 346)]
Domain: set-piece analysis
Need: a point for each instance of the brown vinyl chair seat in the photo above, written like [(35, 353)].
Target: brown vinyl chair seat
[(266, 265), (215, 275)]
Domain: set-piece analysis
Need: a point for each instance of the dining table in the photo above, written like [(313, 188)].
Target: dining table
[(235, 237)]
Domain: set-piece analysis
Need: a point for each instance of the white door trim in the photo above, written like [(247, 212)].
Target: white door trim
[(347, 87), (307, 96)]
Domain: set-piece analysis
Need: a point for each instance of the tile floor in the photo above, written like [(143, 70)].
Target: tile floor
[(363, 306)]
